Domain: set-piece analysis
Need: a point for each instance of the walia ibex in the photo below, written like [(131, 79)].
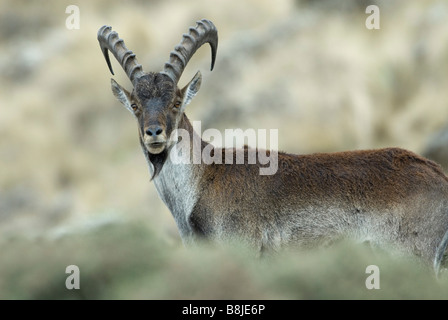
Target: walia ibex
[(391, 197)]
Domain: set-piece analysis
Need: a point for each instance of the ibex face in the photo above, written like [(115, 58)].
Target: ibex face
[(158, 105), (156, 101)]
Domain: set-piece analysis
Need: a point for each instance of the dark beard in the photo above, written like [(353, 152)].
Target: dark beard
[(157, 160)]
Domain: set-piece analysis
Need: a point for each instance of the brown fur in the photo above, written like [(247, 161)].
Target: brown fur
[(320, 198)]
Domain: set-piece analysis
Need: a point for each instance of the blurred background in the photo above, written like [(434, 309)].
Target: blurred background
[(74, 184)]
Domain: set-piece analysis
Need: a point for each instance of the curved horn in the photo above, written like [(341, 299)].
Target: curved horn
[(204, 32), (109, 40)]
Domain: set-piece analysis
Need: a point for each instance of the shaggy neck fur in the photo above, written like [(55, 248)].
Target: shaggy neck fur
[(177, 183)]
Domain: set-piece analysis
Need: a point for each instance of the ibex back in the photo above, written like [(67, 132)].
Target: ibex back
[(390, 197)]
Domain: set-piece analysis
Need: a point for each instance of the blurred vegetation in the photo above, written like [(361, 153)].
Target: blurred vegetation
[(128, 261), (73, 181)]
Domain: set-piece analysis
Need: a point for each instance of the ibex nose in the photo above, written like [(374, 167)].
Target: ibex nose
[(154, 130)]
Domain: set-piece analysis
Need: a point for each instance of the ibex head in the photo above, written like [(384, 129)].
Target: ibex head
[(155, 100)]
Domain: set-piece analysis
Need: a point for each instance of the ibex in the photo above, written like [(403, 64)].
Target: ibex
[(390, 197)]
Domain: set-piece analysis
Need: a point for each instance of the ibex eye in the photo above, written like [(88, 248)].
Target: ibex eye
[(177, 104), (134, 107)]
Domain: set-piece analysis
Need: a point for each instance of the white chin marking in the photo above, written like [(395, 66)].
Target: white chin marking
[(155, 150)]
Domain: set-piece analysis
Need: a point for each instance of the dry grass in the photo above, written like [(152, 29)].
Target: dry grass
[(69, 154), (129, 261)]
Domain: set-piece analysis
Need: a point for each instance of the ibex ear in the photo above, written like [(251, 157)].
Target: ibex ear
[(190, 90), (121, 94)]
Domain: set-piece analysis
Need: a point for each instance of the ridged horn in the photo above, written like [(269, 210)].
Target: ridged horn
[(204, 32), (109, 41)]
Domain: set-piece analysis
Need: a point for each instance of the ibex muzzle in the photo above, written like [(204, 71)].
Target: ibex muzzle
[(390, 197)]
